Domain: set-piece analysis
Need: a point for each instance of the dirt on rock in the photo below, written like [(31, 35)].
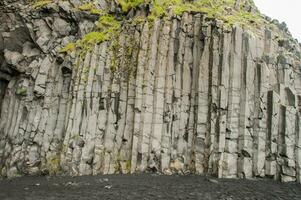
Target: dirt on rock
[(145, 186)]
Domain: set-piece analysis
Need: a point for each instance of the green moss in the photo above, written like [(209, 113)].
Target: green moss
[(41, 3), (128, 165), (107, 28), (94, 38), (53, 165), (68, 48), (242, 18), (108, 25), (126, 5), (21, 91), (90, 7), (86, 6), (220, 9), (137, 20), (160, 8), (89, 40)]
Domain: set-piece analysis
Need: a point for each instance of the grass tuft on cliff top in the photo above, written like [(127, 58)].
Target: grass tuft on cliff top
[(107, 26), (224, 10), (106, 29), (126, 5)]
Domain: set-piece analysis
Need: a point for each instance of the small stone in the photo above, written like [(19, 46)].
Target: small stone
[(167, 172), (213, 181), (108, 186), (70, 183)]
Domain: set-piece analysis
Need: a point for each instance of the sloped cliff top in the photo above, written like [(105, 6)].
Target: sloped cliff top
[(110, 15)]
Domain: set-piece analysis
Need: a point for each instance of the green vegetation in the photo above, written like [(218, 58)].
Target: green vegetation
[(220, 9), (21, 91), (160, 8), (108, 24), (126, 5), (53, 165), (107, 28), (128, 165), (92, 38), (90, 7), (41, 3), (243, 18), (68, 48)]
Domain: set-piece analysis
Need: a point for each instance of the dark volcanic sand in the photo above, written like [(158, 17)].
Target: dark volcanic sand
[(145, 186)]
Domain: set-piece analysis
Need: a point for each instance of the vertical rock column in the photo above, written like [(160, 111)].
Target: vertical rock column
[(231, 155), (138, 103), (202, 102), (245, 141), (223, 99), (273, 109)]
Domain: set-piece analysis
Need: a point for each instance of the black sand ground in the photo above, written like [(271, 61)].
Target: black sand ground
[(146, 186)]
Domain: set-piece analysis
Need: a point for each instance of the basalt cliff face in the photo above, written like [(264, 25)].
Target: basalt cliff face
[(180, 94)]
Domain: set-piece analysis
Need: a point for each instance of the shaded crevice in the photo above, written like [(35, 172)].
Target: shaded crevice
[(210, 106), (3, 86)]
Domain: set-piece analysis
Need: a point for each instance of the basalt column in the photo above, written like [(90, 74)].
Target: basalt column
[(183, 94)]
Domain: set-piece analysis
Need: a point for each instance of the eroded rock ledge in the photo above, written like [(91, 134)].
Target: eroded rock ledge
[(180, 95)]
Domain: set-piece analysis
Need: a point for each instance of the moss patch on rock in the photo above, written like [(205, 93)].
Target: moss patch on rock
[(35, 4), (126, 5), (53, 165), (91, 8), (68, 48), (108, 26), (21, 91), (224, 10)]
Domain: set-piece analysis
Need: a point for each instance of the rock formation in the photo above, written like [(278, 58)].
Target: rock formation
[(182, 94)]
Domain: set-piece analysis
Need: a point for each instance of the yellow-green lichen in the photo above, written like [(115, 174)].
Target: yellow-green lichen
[(21, 91), (107, 24), (91, 8), (68, 48), (41, 3), (107, 28), (220, 9), (243, 18), (128, 165), (53, 165), (224, 10), (93, 38), (126, 5)]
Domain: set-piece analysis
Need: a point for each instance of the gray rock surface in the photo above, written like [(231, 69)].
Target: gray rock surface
[(187, 95)]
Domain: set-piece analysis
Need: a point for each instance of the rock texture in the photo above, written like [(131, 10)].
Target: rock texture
[(180, 95)]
